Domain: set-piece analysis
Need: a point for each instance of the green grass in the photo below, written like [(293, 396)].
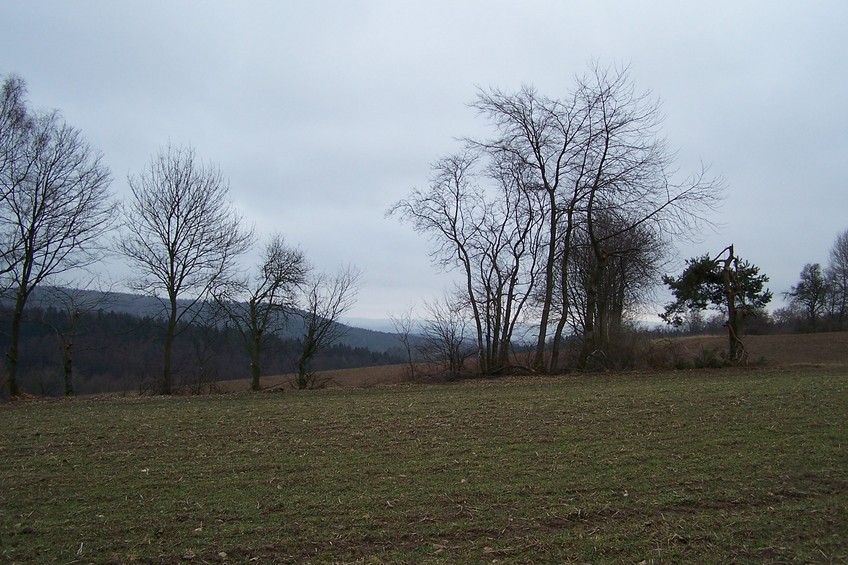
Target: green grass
[(709, 466)]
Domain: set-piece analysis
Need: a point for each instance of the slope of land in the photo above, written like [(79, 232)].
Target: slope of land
[(144, 306)]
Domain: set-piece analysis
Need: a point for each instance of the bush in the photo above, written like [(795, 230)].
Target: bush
[(708, 358), (666, 354)]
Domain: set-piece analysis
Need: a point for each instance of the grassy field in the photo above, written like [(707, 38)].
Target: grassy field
[(706, 466)]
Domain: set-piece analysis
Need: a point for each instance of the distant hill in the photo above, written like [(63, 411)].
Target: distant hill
[(116, 344), (142, 306)]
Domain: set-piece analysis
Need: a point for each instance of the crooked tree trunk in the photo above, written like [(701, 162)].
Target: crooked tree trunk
[(305, 356), (732, 315)]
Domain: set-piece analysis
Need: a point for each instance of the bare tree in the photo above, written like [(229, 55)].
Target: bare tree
[(811, 294), (452, 213), (55, 205), (257, 305), (546, 136), (837, 277), (444, 341), (405, 328), (492, 234), (630, 169), (326, 299), (182, 234), (75, 300), (594, 151), (624, 283)]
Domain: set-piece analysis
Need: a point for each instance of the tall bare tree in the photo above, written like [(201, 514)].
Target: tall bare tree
[(452, 213), (406, 329), (55, 204), (837, 277), (629, 178), (326, 299), (546, 136), (811, 294), (256, 305), (492, 234), (182, 235)]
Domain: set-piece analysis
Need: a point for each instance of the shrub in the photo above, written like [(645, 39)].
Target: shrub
[(708, 358)]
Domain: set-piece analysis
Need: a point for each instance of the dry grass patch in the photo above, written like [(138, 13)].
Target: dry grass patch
[(778, 349)]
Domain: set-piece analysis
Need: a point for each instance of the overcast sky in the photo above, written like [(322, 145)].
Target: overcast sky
[(322, 114)]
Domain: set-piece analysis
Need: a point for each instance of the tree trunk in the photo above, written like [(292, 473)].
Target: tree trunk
[(68, 352), (539, 363), (482, 365), (554, 366), (303, 361), (588, 346), (14, 341), (593, 329), (169, 340), (732, 320), (734, 342), (68, 368), (564, 305), (255, 369)]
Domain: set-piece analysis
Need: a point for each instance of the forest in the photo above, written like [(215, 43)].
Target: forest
[(104, 351)]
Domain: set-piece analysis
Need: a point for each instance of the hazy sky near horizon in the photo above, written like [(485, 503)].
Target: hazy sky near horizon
[(322, 114)]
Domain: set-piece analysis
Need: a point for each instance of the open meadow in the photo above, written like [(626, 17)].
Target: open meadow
[(691, 466)]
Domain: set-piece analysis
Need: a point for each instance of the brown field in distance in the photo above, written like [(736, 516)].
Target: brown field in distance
[(781, 349), (774, 350)]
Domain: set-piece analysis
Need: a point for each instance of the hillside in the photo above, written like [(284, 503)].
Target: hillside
[(117, 351), (143, 306)]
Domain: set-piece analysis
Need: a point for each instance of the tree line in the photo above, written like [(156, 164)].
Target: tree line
[(561, 220), (178, 230), (559, 223), (819, 302), (119, 352)]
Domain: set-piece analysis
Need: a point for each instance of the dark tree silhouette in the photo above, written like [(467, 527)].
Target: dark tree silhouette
[(54, 204), (258, 304)]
